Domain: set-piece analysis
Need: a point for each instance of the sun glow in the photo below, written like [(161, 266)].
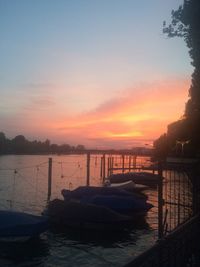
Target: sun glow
[(124, 135), (139, 115)]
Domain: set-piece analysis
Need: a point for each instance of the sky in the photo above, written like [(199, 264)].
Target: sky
[(93, 72)]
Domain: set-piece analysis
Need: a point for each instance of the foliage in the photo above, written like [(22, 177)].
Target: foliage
[(20, 145), (162, 147), (186, 23)]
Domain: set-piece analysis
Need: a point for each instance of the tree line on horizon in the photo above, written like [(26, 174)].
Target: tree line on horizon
[(183, 136), (20, 145)]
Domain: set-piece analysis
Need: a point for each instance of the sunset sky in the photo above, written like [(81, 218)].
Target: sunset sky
[(92, 72)]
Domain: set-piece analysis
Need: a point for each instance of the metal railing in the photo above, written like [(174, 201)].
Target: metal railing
[(179, 242)]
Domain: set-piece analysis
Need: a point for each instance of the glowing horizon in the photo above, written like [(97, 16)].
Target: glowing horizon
[(138, 117)]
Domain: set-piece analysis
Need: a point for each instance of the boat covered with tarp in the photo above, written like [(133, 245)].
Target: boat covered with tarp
[(131, 205), (79, 215), (16, 225), (116, 199), (89, 191)]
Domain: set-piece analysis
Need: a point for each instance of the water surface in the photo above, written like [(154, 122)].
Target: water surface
[(23, 186)]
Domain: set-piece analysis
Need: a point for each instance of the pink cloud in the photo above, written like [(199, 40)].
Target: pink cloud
[(137, 114), (141, 113)]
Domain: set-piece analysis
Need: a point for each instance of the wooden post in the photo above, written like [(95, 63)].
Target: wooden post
[(101, 169), (160, 201), (134, 161), (129, 163), (104, 167), (108, 169), (88, 169), (112, 163), (49, 178), (123, 163)]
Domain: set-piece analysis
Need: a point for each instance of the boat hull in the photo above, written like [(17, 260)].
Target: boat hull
[(75, 214)]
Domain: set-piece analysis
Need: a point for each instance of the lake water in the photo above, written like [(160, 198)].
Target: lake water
[(23, 187)]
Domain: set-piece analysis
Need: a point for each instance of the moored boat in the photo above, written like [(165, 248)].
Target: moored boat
[(143, 178), (127, 185), (116, 199), (21, 226), (89, 191), (131, 205), (79, 215)]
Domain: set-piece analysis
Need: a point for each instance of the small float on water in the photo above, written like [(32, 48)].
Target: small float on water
[(20, 226)]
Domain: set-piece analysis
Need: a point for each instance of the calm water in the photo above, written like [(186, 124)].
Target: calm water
[(23, 186)]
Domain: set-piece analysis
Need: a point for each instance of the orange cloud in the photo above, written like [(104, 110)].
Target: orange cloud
[(138, 114)]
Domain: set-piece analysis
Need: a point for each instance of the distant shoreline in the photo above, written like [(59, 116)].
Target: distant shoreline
[(90, 151)]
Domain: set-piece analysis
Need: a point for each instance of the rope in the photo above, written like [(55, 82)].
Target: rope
[(22, 168)]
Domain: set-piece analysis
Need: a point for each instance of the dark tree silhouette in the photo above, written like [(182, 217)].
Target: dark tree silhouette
[(20, 145), (2, 143), (185, 23)]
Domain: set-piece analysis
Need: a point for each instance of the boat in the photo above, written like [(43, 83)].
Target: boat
[(89, 191), (131, 205), (127, 185), (84, 216), (20, 226), (143, 178), (114, 198)]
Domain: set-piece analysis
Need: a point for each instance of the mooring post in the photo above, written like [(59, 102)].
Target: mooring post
[(108, 164), (129, 163), (104, 167), (88, 169), (160, 201), (112, 164), (123, 163), (101, 168), (134, 161), (49, 178)]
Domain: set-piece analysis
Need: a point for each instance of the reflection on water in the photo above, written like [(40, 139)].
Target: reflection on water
[(23, 186), (94, 249), (29, 253), (71, 248)]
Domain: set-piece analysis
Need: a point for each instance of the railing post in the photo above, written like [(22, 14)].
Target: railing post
[(88, 169), (49, 178), (160, 201), (195, 188)]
